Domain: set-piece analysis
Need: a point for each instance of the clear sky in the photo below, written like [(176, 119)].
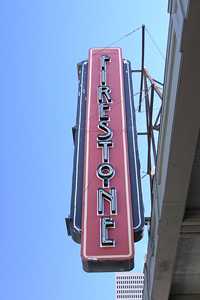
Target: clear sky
[(41, 43)]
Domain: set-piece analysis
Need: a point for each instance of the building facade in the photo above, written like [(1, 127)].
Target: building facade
[(172, 269), (129, 285)]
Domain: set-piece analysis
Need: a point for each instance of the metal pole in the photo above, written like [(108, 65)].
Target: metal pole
[(156, 126), (142, 67), (146, 95)]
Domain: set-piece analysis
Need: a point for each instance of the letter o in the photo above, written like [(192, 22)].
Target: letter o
[(105, 171)]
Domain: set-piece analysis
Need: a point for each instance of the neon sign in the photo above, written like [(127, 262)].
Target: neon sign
[(107, 214)]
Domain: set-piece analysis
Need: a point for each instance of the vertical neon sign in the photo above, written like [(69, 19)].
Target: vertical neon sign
[(107, 227)]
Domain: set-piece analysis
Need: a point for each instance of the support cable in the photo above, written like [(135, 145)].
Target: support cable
[(155, 44)]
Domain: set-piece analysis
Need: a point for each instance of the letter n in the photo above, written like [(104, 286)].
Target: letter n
[(110, 196)]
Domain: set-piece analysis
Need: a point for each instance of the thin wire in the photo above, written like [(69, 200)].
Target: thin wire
[(155, 44), (142, 177), (124, 36), (142, 91), (121, 38)]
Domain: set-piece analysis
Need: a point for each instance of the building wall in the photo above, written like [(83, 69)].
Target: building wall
[(172, 266)]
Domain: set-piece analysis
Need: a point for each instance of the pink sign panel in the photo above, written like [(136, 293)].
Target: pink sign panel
[(107, 242)]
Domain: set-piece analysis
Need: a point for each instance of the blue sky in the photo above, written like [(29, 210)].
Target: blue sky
[(41, 43)]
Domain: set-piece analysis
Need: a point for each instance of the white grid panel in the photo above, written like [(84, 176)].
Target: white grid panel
[(129, 286)]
